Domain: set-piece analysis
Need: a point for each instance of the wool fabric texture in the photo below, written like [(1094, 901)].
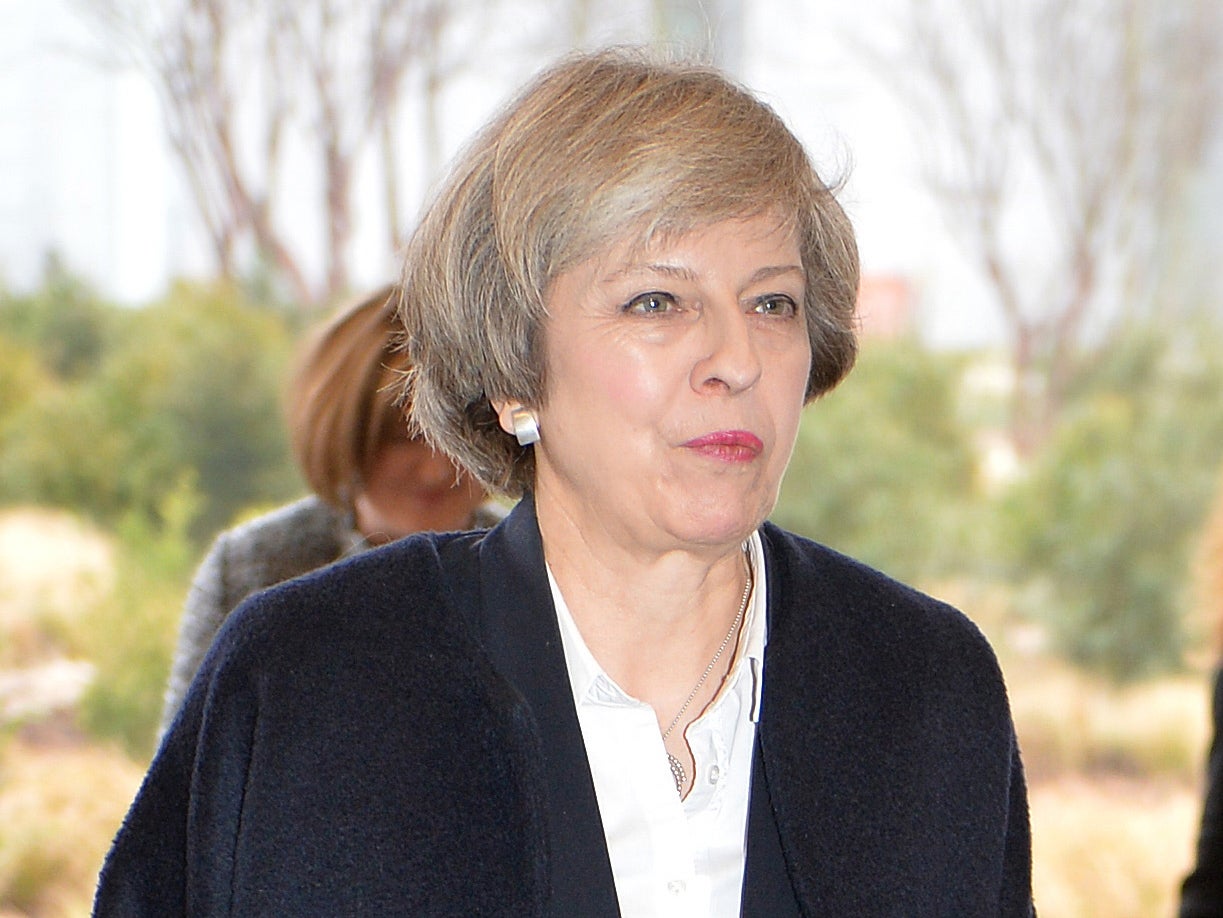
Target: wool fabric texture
[(395, 735)]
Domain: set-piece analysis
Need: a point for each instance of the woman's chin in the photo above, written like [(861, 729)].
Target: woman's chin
[(720, 526)]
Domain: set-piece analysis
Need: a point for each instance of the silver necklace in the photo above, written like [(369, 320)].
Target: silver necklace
[(677, 767)]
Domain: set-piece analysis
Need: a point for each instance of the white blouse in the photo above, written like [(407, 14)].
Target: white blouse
[(673, 857)]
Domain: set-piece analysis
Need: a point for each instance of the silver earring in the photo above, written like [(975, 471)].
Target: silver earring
[(526, 427)]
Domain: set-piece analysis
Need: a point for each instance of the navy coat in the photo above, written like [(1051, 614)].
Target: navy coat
[(1202, 890), (396, 735)]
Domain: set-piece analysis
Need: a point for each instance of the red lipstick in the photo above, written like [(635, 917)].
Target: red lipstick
[(727, 445)]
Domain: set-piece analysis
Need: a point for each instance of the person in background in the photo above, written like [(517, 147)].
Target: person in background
[(371, 480), (1202, 890), (634, 695)]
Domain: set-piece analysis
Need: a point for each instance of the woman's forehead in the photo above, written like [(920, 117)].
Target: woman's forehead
[(643, 243)]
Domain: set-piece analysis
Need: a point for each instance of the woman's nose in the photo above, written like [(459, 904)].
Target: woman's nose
[(731, 359)]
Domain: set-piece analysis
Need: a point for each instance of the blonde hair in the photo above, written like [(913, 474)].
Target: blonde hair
[(343, 396), (598, 147)]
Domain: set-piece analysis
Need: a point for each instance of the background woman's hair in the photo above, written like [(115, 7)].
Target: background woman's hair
[(343, 399), (598, 147)]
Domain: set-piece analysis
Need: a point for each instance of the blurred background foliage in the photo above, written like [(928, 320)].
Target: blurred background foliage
[(111, 409), (162, 425), (884, 469), (1102, 529)]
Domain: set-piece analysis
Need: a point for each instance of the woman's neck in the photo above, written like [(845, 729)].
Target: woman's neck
[(651, 618)]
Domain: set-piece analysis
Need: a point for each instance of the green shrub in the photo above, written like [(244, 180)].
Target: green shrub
[(130, 635), (22, 377), (190, 385), (883, 468), (64, 321), (1099, 532)]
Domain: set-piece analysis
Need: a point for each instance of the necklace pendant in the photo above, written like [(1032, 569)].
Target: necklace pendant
[(677, 772)]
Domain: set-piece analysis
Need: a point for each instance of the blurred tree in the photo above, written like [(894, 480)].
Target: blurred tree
[(63, 319), (22, 376), (190, 386), (1063, 138), (883, 468), (295, 122), (217, 367), (246, 87), (51, 341), (1101, 529), (129, 635)]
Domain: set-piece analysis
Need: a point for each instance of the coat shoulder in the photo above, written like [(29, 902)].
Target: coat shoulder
[(858, 609), (886, 713), (397, 598)]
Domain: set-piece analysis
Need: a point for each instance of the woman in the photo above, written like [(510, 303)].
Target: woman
[(371, 481), (633, 696)]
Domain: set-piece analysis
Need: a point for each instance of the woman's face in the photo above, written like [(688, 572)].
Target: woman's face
[(409, 488), (676, 375)]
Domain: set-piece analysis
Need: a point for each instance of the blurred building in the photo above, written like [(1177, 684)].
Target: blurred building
[(885, 306)]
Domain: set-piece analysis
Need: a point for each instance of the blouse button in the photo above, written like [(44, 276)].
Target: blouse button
[(715, 774), (677, 887)]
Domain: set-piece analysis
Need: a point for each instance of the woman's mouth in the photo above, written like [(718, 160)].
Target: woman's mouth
[(727, 445)]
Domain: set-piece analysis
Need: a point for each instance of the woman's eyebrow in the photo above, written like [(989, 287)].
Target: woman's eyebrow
[(771, 271), (667, 270), (682, 273)]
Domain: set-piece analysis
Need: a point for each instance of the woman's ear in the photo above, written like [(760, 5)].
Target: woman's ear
[(518, 420), (504, 411)]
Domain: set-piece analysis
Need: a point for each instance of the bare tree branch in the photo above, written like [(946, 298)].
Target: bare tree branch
[(247, 88), (1079, 119)]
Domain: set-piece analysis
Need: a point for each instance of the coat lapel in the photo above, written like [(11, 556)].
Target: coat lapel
[(766, 885), (519, 631)]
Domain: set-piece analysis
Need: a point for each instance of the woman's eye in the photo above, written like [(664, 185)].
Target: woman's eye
[(651, 304), (775, 305)]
